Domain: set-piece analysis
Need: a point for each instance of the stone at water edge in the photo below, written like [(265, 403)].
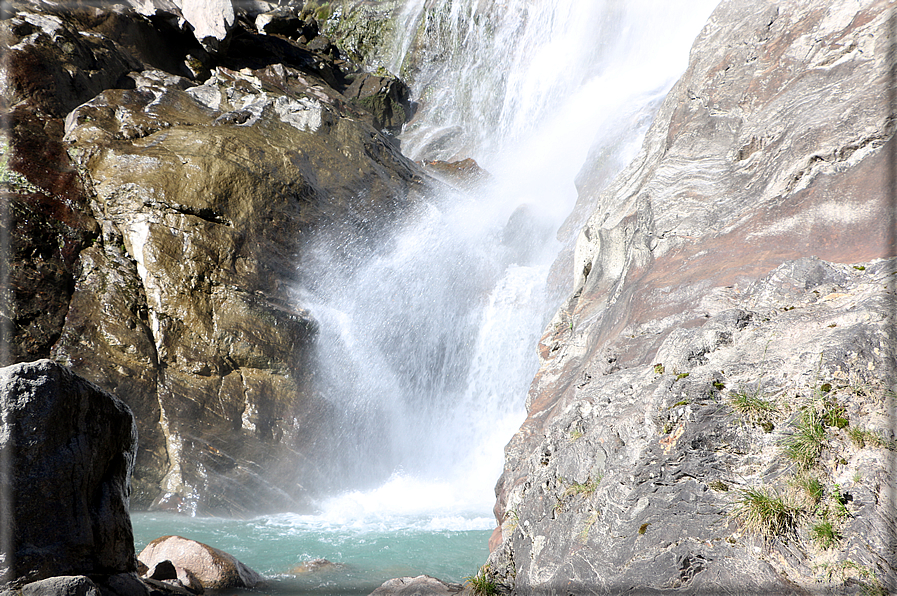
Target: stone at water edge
[(70, 448), (215, 569), (422, 585)]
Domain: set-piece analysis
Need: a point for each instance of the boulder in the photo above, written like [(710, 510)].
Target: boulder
[(67, 585), (422, 585), (69, 449), (731, 288), (213, 568)]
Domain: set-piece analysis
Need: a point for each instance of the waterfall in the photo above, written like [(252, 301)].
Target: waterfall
[(428, 342)]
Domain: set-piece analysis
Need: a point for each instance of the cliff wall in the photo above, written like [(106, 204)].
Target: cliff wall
[(160, 193), (698, 419)]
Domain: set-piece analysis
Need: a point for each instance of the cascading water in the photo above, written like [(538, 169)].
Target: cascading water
[(428, 342), (429, 345)]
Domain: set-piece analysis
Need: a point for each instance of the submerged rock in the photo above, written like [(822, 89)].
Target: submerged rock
[(731, 294), (316, 566), (213, 568), (68, 449)]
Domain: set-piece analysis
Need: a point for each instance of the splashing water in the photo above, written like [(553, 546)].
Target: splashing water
[(428, 346), (428, 343)]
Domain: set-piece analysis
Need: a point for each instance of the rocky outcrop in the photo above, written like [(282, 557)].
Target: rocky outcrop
[(728, 344), (161, 198), (67, 449), (422, 585), (214, 569)]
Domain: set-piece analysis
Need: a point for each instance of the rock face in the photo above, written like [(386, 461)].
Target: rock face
[(422, 585), (729, 341), (215, 569), (160, 200), (68, 449)]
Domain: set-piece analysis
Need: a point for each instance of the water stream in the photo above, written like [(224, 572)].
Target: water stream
[(428, 343)]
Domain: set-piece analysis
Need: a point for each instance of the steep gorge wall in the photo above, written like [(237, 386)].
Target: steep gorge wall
[(732, 291)]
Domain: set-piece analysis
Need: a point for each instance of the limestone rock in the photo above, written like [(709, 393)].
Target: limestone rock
[(69, 449), (422, 585), (740, 257), (215, 569)]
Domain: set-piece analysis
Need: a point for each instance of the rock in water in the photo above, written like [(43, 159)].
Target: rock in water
[(215, 569), (68, 449)]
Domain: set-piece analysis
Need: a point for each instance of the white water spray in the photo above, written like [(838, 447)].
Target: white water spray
[(429, 345)]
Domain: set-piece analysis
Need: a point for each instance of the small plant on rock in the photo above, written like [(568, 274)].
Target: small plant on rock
[(810, 487), (825, 535), (765, 512), (751, 407), (805, 444), (481, 584)]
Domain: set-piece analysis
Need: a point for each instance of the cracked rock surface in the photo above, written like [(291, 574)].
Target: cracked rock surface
[(729, 336)]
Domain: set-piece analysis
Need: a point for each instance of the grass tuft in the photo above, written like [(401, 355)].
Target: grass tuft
[(825, 535), (751, 407), (805, 444), (480, 584), (810, 487), (766, 513)]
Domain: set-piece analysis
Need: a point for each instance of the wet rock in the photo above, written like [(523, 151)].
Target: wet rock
[(741, 256), (422, 585), (316, 566), (463, 173), (213, 568), (213, 211), (385, 97), (69, 449)]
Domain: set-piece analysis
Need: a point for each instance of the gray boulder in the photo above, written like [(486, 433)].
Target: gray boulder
[(68, 449)]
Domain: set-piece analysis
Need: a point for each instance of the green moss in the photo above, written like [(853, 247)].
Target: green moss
[(719, 486)]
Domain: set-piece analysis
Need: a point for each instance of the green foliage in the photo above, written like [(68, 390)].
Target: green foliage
[(839, 502), (719, 385), (658, 369), (682, 375), (805, 444), (481, 584), (751, 407), (810, 487), (836, 415), (643, 528), (682, 402), (825, 535), (766, 513), (867, 438)]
